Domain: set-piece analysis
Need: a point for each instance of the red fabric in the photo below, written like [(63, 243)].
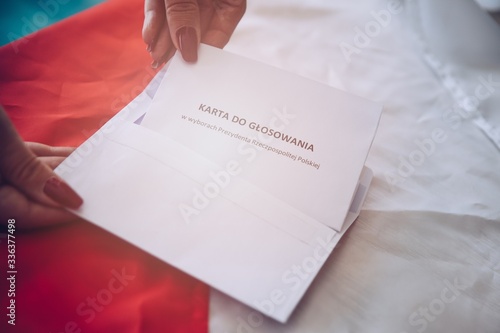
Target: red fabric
[(59, 86)]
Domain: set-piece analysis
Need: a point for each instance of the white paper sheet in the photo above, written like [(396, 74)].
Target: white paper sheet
[(298, 140)]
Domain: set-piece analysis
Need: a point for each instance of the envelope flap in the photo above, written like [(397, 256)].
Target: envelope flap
[(214, 181)]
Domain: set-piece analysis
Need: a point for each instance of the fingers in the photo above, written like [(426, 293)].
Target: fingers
[(40, 149), (21, 169), (51, 161), (56, 189), (170, 25), (155, 32), (154, 18), (37, 181), (163, 48), (226, 17), (48, 155), (207, 10), (182, 24), (14, 204), (183, 17)]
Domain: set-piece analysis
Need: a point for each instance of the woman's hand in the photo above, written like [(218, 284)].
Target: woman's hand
[(182, 24), (30, 191)]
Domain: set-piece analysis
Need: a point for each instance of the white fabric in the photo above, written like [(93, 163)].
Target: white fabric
[(424, 255), (492, 5)]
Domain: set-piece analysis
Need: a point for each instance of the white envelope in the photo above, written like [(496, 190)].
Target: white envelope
[(246, 242)]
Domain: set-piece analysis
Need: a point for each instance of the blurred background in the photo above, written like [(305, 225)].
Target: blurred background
[(22, 17)]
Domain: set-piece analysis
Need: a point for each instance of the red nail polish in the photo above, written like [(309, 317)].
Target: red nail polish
[(60, 192), (188, 43)]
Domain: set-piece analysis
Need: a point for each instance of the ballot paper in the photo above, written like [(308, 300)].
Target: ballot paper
[(298, 140), (239, 174)]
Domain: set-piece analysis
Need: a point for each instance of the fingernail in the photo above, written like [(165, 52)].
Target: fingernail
[(149, 48), (60, 192), (156, 63), (188, 43)]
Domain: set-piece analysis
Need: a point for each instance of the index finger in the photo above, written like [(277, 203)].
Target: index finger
[(154, 16)]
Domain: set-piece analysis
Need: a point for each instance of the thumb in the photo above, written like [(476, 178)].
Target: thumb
[(183, 18)]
